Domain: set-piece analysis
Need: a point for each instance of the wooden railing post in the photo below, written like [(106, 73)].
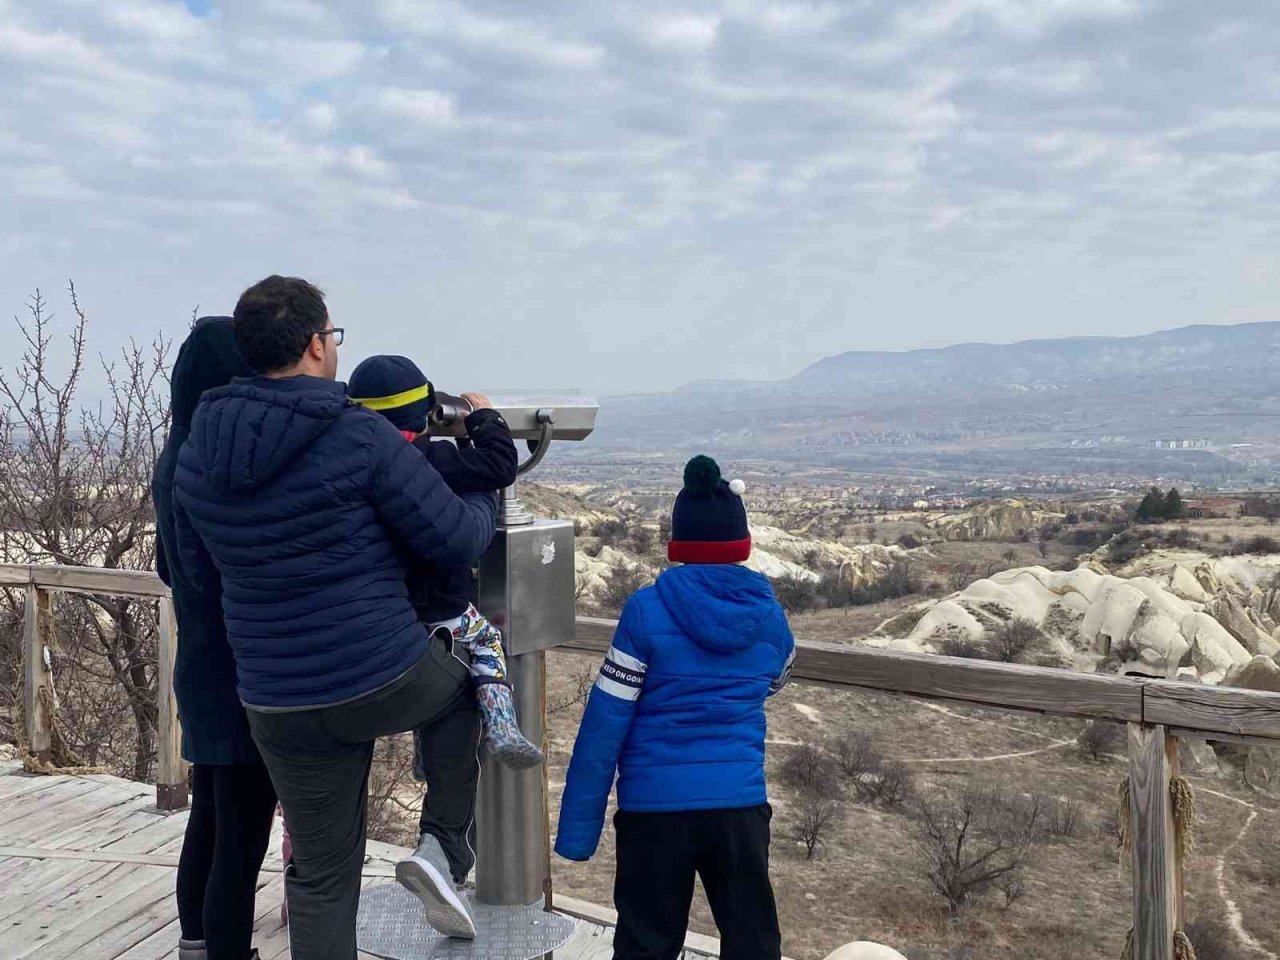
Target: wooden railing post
[(36, 624), (171, 770), (1157, 873)]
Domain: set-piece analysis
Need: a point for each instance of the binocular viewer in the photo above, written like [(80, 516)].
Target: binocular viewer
[(533, 418), (530, 416)]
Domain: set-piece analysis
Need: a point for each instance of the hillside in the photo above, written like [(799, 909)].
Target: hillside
[(1083, 410)]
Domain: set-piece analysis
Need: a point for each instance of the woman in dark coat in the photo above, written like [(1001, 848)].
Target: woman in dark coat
[(233, 802)]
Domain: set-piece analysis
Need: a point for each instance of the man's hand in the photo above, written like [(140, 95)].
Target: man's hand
[(478, 401)]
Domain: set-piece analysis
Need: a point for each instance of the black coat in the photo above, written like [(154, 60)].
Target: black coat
[(486, 461), (214, 728)]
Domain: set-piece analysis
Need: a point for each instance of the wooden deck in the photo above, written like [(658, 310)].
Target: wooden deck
[(87, 869)]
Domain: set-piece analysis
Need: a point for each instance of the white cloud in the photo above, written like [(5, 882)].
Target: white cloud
[(419, 106), (683, 31), (593, 170)]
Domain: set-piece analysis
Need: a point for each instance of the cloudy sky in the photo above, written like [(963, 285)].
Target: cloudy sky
[(629, 195)]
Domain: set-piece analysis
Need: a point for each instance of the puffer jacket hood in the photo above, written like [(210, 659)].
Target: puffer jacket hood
[(245, 434), (722, 608)]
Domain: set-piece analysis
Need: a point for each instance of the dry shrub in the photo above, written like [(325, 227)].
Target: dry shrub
[(1099, 739), (814, 776), (1212, 939), (979, 841)]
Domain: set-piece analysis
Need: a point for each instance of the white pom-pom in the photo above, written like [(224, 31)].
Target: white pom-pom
[(737, 487)]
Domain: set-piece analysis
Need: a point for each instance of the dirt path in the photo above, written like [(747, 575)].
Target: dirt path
[(1234, 917), (1057, 744)]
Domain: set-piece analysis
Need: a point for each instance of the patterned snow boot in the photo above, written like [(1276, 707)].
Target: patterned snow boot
[(502, 736)]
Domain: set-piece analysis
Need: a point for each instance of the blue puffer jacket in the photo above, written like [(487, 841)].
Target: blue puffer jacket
[(310, 507), (678, 709)]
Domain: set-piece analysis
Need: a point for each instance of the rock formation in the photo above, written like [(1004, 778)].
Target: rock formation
[(996, 520)]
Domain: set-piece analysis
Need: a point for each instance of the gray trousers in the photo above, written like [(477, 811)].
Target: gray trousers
[(319, 761)]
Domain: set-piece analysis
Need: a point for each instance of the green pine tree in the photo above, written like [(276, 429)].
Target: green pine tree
[(1152, 505), (1175, 508)]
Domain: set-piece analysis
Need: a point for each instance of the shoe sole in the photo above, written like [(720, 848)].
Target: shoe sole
[(518, 757), (444, 908)]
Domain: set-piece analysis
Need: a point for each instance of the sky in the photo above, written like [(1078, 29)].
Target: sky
[(626, 196)]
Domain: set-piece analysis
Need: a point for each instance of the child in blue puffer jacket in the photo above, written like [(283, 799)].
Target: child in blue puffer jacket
[(678, 714)]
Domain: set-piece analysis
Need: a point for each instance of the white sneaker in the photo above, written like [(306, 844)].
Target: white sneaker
[(426, 875)]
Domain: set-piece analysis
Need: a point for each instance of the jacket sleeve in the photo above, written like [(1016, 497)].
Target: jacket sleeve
[(486, 464), (786, 654), (194, 560), (603, 731), (415, 504)]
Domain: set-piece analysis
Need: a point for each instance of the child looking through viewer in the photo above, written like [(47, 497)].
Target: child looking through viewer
[(444, 597)]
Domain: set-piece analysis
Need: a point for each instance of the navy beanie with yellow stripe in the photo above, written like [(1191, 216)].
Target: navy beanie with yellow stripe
[(394, 387)]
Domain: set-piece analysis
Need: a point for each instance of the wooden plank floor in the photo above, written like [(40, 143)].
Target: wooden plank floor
[(87, 869)]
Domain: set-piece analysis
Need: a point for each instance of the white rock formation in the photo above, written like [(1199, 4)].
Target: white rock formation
[(996, 520), (865, 950), (861, 564), (1136, 625)]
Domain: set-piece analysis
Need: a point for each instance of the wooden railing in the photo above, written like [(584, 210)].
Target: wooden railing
[(41, 583), (1157, 713)]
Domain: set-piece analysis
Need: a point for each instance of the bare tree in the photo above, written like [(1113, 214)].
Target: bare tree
[(818, 806), (1010, 641), (978, 841), (796, 594), (857, 756), (584, 678), (75, 484), (624, 581), (1098, 739), (890, 786), (961, 577)]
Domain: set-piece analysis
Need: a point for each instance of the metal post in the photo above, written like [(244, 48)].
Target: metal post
[(511, 842)]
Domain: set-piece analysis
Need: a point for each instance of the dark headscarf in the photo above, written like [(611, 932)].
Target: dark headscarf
[(208, 358), (214, 728)]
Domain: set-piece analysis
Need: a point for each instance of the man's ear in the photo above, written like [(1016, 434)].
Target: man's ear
[(315, 348)]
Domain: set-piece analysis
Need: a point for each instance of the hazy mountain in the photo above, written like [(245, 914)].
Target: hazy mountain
[(1082, 405), (1220, 350)]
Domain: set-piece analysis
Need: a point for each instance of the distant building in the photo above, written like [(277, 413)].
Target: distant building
[(1220, 508)]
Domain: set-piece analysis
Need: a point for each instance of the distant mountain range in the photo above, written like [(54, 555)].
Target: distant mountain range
[(1253, 347), (1096, 405)]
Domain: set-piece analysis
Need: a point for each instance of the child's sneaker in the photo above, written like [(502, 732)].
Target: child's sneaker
[(502, 736)]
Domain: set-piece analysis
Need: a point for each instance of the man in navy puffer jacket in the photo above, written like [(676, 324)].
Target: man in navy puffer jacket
[(678, 714), (309, 508)]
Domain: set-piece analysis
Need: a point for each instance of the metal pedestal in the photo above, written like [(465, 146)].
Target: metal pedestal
[(526, 589), (391, 925)]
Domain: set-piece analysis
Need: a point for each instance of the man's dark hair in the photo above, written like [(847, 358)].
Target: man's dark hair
[(275, 319)]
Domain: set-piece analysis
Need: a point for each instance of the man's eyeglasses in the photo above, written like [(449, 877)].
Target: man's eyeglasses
[(338, 334)]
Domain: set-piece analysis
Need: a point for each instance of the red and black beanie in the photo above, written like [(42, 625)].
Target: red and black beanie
[(709, 522)]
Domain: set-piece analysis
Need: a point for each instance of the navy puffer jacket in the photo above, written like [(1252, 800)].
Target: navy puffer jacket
[(310, 509)]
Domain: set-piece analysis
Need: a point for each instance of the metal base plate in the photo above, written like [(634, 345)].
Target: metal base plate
[(391, 925)]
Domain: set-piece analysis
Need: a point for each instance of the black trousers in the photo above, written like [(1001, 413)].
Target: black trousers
[(658, 856), (319, 761), (227, 835)]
